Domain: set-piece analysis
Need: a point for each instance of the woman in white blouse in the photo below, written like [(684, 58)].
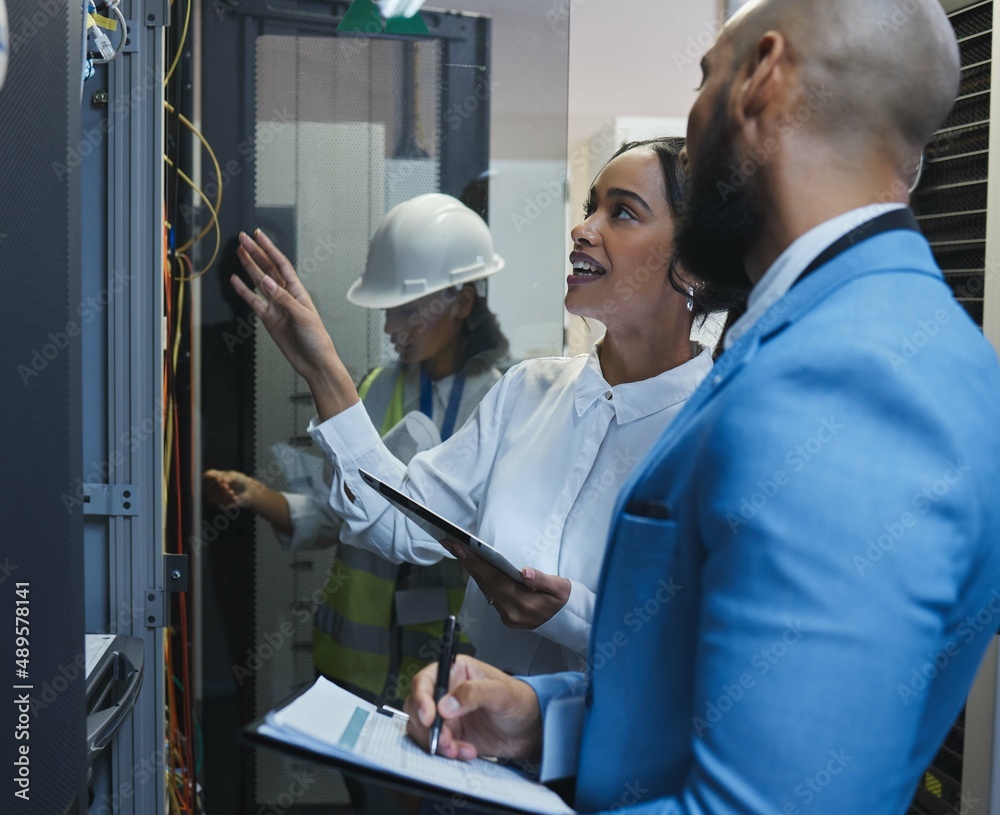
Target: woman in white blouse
[(537, 468)]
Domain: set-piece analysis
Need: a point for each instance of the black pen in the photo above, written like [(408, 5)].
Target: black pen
[(446, 657)]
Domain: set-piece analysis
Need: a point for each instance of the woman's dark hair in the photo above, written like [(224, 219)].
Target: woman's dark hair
[(484, 341), (668, 150)]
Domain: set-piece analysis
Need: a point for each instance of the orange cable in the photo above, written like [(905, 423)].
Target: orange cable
[(176, 327)]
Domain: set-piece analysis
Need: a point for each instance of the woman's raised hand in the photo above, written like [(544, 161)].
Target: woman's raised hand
[(287, 312)]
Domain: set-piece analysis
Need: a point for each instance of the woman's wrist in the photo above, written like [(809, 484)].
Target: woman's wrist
[(332, 388), (270, 505), (252, 495)]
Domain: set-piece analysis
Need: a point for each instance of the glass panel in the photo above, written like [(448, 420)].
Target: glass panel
[(321, 134), (346, 129), (528, 165)]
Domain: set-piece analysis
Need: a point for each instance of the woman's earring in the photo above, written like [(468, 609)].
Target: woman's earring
[(690, 302)]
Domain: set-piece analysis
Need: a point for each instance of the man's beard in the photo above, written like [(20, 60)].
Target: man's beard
[(720, 220)]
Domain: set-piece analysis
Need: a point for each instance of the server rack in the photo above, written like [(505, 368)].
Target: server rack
[(958, 191)]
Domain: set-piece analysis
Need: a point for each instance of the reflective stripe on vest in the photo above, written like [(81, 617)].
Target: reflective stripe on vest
[(394, 415), (355, 639), (354, 631)]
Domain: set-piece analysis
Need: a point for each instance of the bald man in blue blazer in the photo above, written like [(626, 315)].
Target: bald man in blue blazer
[(802, 578)]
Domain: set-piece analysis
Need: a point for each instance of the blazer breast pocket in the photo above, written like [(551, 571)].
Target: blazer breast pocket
[(648, 508), (641, 596), (644, 535)]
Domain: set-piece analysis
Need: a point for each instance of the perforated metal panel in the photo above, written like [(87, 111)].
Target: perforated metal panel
[(951, 200), (345, 129), (951, 205)]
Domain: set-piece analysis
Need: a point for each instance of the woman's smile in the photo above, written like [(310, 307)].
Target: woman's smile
[(585, 269)]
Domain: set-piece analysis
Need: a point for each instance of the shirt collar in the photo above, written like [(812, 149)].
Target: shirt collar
[(442, 387), (779, 279), (635, 400)]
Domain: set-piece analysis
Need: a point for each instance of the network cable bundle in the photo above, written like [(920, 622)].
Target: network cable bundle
[(103, 17)]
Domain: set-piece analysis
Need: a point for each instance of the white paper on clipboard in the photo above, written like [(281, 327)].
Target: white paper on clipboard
[(329, 720)]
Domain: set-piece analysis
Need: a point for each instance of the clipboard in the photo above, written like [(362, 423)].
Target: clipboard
[(439, 527), (327, 724)]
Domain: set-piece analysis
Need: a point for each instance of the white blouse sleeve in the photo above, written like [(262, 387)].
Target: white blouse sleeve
[(314, 525), (570, 626), (449, 479)]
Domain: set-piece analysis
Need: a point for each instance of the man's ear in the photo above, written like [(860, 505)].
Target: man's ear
[(765, 81), (464, 301)]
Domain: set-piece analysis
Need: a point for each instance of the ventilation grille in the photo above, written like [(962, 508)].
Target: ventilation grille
[(950, 202), (940, 790)]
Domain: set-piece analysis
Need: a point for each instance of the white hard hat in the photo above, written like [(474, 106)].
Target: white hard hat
[(424, 245)]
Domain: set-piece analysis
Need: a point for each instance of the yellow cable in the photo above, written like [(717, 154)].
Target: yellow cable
[(178, 321), (175, 804), (215, 221), (215, 163), (180, 45), (168, 452)]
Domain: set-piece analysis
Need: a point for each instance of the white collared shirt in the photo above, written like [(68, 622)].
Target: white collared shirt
[(779, 279), (536, 471)]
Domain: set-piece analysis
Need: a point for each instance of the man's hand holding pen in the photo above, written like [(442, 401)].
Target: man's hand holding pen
[(484, 713)]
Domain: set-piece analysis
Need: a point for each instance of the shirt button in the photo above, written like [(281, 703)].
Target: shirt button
[(608, 395), (717, 380)]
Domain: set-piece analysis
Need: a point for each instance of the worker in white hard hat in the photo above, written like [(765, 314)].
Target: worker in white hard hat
[(427, 266)]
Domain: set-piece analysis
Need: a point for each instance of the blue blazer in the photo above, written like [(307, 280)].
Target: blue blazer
[(804, 574)]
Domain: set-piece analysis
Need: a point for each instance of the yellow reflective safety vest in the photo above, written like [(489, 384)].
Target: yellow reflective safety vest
[(359, 638)]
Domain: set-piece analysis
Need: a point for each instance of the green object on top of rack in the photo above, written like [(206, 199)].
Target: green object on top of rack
[(411, 26), (362, 18)]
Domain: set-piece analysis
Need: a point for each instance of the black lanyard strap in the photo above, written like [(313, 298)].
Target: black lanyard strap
[(886, 222)]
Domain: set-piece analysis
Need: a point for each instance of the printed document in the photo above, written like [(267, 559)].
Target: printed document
[(330, 721)]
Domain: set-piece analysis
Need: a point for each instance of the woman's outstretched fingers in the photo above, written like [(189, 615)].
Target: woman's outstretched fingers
[(261, 260), (245, 253), (274, 254), (286, 274), (264, 262), (258, 305)]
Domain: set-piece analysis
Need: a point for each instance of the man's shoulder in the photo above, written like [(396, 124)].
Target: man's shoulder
[(891, 315), (888, 353)]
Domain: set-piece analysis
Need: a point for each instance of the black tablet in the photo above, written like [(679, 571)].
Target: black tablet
[(433, 524)]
